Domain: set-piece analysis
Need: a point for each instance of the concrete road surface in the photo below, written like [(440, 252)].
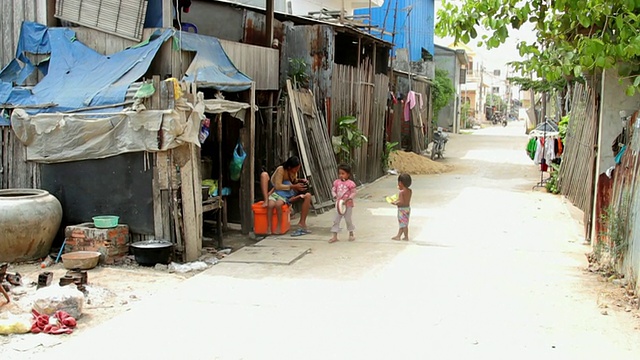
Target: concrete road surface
[(493, 270)]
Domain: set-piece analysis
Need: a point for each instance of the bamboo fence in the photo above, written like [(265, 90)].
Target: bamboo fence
[(361, 93), (577, 173)]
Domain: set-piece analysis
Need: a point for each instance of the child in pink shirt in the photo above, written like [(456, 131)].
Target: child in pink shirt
[(343, 189)]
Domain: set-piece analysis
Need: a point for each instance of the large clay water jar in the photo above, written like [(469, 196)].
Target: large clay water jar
[(29, 222)]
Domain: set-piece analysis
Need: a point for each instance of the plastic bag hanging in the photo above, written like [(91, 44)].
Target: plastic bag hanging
[(235, 167), (204, 130)]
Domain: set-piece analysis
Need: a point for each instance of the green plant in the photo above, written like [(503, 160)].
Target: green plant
[(573, 38), (563, 125), (552, 184), (465, 116), (613, 241), (349, 137), (442, 92), (298, 71), (386, 153), (497, 101)]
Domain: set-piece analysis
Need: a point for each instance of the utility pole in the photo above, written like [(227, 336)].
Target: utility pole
[(480, 105), (409, 8), (370, 24), (269, 23), (393, 38)]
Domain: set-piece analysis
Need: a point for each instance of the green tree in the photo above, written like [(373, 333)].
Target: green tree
[(497, 101), (443, 92), (572, 37)]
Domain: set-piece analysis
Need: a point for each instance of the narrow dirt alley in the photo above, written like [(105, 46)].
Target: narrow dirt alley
[(493, 270)]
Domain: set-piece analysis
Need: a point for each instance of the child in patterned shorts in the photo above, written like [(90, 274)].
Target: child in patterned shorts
[(404, 206)]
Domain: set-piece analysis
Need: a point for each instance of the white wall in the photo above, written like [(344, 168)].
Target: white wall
[(303, 7), (613, 100), (279, 5)]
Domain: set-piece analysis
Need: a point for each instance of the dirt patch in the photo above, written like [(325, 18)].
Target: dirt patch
[(111, 291), (414, 164)]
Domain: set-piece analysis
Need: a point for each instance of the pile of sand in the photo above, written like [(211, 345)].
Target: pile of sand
[(414, 164)]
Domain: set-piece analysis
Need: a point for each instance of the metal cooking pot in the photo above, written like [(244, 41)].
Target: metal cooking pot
[(152, 252)]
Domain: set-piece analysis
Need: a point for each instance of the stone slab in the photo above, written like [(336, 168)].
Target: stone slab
[(279, 255)]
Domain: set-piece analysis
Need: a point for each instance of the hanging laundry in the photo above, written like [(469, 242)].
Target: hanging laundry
[(393, 98), (544, 151), (531, 147), (409, 105), (619, 156), (419, 96), (549, 150), (560, 147)]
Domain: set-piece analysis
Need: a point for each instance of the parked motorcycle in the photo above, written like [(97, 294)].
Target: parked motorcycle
[(440, 139), (498, 118)]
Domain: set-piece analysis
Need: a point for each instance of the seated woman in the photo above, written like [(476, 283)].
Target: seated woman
[(287, 188)]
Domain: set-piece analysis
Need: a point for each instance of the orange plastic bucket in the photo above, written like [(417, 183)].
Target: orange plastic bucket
[(260, 219)]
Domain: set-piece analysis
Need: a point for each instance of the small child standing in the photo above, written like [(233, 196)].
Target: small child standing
[(344, 189), (404, 206)]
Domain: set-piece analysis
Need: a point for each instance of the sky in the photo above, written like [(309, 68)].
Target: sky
[(496, 58)]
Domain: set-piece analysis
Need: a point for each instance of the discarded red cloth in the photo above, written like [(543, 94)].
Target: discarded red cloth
[(59, 323)]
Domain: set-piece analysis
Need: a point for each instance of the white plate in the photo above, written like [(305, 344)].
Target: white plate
[(341, 206)]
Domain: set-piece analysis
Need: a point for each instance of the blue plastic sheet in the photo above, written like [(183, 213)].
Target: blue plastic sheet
[(211, 66), (79, 77), (5, 91)]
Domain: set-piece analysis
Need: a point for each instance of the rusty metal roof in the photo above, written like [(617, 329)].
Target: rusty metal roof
[(304, 20)]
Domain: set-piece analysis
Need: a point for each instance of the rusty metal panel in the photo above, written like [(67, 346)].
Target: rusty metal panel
[(255, 29), (315, 44), (257, 62)]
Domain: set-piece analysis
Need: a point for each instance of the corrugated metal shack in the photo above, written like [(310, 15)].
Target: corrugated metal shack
[(348, 71), (158, 203), (348, 75)]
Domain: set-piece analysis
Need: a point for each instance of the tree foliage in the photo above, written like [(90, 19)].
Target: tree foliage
[(572, 37), (497, 101), (443, 91)]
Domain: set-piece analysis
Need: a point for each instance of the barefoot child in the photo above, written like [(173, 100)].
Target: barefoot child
[(404, 206), (343, 189)]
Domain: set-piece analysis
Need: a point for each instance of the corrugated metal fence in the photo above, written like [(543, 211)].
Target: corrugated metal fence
[(621, 226), (576, 177)]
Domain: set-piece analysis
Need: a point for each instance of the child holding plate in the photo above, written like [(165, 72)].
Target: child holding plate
[(343, 191)]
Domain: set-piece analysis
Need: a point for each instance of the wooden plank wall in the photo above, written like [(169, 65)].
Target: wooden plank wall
[(314, 145), (16, 172), (103, 43), (360, 93), (260, 63), (377, 129)]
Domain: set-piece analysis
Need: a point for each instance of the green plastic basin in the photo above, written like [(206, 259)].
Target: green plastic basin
[(105, 221)]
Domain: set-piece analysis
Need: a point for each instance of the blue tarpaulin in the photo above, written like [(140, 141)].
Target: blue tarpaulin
[(79, 77), (211, 67)]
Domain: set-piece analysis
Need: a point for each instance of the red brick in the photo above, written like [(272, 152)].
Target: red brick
[(110, 242)]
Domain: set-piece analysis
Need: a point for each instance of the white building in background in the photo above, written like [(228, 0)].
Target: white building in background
[(304, 7)]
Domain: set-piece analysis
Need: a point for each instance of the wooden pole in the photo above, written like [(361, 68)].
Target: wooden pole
[(167, 14), (220, 183), (269, 23), (247, 194)]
